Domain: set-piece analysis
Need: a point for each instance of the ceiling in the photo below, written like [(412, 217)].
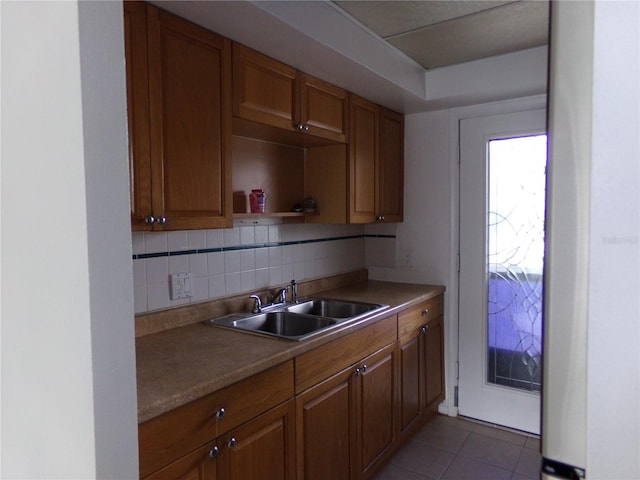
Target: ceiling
[(441, 33)]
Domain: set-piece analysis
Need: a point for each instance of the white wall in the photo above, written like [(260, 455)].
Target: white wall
[(68, 366), (613, 367)]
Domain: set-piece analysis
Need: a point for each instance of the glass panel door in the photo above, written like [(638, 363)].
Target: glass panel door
[(515, 232)]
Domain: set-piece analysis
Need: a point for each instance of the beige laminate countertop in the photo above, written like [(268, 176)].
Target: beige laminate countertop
[(179, 365)]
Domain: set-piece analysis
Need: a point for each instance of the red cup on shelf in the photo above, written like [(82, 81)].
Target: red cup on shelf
[(257, 200)]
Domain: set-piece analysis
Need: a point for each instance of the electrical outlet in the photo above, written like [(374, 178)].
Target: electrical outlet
[(181, 285)]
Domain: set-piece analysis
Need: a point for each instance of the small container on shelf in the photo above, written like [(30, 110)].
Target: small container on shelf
[(257, 200)]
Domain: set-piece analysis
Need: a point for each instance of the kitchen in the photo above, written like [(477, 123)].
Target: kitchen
[(98, 283)]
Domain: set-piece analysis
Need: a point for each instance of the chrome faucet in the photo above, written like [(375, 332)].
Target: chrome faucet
[(281, 295), (294, 291), (257, 304)]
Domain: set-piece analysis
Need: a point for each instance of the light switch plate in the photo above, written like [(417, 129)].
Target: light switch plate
[(181, 285)]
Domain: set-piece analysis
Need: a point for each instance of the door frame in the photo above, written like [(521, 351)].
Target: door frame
[(449, 407)]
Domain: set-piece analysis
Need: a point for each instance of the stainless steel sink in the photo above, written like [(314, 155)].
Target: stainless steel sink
[(338, 309), (284, 324), (298, 321)]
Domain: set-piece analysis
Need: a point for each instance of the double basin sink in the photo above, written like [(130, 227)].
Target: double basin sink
[(298, 321)]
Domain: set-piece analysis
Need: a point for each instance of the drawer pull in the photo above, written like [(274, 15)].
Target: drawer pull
[(213, 453), (364, 369), (357, 372), (220, 413), (424, 329), (425, 312), (232, 442)]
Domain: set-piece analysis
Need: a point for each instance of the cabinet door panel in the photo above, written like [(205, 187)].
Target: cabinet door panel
[(377, 401), (264, 447), (198, 465), (263, 89), (434, 341), (325, 429), (390, 186), (363, 159), (323, 108), (135, 35), (410, 382), (189, 71)]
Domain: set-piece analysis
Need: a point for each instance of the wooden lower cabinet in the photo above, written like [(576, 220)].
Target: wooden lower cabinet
[(421, 347), (261, 449), (346, 423)]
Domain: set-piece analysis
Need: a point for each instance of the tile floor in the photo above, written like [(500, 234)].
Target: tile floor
[(452, 448)]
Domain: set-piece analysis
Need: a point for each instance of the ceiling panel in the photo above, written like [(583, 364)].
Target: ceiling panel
[(440, 33)]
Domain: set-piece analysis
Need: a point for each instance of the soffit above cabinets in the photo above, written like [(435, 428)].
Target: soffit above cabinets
[(442, 33)]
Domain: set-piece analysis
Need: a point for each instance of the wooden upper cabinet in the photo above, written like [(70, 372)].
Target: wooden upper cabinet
[(189, 124), (271, 93), (390, 174), (323, 109), (376, 158), (137, 75), (363, 160), (263, 89)]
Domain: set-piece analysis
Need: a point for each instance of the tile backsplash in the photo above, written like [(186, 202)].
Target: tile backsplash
[(240, 259)]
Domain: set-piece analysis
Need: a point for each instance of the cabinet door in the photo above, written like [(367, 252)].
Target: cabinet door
[(264, 448), (263, 89), (135, 43), (390, 184), (376, 401), (323, 109), (190, 123), (363, 159), (434, 363), (198, 465), (410, 382), (326, 429)]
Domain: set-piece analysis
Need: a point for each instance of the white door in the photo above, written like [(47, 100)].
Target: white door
[(502, 183)]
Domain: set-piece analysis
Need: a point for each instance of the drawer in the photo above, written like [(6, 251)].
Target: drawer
[(313, 367), (170, 436), (410, 320)]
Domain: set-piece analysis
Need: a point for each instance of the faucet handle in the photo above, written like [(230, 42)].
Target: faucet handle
[(257, 304), (294, 291)]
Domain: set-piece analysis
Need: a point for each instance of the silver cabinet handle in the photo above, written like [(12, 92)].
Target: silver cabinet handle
[(425, 312), (424, 329), (364, 368), (380, 218), (232, 442), (220, 413), (149, 220), (161, 220), (305, 127), (213, 453), (357, 372)]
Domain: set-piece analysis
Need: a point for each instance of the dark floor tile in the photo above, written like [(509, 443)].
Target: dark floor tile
[(497, 433), (444, 436), (529, 463), (423, 459), (491, 450), (467, 469), (392, 472), (533, 443)]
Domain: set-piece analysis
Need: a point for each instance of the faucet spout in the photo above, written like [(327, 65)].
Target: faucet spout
[(257, 304)]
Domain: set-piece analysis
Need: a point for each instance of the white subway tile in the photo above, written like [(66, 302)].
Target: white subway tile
[(274, 233), (288, 273), (275, 256), (215, 263), (178, 264), (298, 271), (139, 297), (247, 235), (262, 257), (275, 275), (231, 237), (200, 289), (137, 243), (177, 240), (215, 238), (262, 278), (233, 283), (157, 269), (197, 239), (232, 261), (198, 264), (248, 280), (287, 254), (158, 295), (139, 272), (261, 234), (217, 286), (247, 259), (155, 242)]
